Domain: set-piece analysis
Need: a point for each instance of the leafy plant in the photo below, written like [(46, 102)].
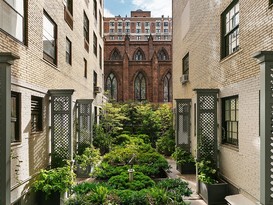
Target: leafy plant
[(207, 171), (158, 196), (58, 179), (89, 157), (181, 156), (129, 197), (139, 182), (166, 144), (176, 188)]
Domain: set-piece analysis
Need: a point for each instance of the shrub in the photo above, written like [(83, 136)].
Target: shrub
[(157, 196), (176, 188), (105, 171), (181, 156), (207, 171), (122, 182), (166, 144), (89, 157)]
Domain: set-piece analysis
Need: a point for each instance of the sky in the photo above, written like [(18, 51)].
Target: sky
[(124, 7)]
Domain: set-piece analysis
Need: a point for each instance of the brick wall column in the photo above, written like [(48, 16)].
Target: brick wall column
[(125, 76), (6, 60)]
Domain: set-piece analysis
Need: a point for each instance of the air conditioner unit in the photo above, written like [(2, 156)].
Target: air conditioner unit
[(97, 89), (184, 78)]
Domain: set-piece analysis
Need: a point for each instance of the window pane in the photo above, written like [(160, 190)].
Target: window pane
[(18, 5), (11, 22)]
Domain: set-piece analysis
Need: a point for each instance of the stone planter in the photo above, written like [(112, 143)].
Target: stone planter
[(213, 193), (186, 168)]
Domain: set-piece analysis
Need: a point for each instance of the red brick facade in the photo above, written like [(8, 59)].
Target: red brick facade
[(126, 68)]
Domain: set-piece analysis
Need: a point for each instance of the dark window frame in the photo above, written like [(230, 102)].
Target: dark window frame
[(46, 56), (111, 89), (85, 68), (100, 56), (141, 78), (68, 51), (232, 33), (95, 9), (230, 127), (36, 114), (85, 27), (16, 116), (69, 6), (167, 79), (185, 64)]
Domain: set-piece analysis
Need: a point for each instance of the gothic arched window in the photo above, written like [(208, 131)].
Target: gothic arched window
[(167, 88), (115, 55), (111, 86), (139, 56), (140, 87), (162, 55)]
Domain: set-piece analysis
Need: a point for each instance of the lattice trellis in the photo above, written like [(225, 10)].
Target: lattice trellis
[(183, 123), (84, 123), (61, 126), (207, 123)]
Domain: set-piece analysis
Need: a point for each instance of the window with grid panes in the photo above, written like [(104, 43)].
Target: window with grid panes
[(230, 29), (15, 117), (49, 39), (36, 114), (140, 87), (230, 120), (68, 52), (14, 18)]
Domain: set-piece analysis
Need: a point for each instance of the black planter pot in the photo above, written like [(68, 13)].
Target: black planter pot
[(213, 193), (52, 199), (186, 168)]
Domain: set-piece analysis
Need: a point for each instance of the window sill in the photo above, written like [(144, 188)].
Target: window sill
[(16, 144), (231, 55), (50, 64), (230, 146)]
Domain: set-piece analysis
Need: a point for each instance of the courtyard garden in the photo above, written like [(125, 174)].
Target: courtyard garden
[(125, 164)]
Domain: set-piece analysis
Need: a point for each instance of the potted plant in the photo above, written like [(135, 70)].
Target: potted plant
[(211, 188), (185, 162), (51, 185), (86, 161)]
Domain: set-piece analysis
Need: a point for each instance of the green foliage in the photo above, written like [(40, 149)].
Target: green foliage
[(158, 196), (129, 197), (54, 180), (207, 171), (105, 171), (89, 157), (181, 156), (102, 140), (176, 188), (122, 140), (166, 144), (139, 182), (58, 159)]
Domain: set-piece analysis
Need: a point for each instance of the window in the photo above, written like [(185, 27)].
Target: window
[(140, 87), (69, 6), (166, 24), (162, 55), (157, 30), (95, 115), (100, 24), (68, 52), (147, 30), (120, 24), (111, 30), (86, 27), (167, 88), (230, 114), (112, 23), (49, 39), (95, 44), (138, 38), (119, 30), (166, 30), (36, 114), (138, 30), (158, 24), (185, 64), (166, 37), (138, 24), (95, 12), (15, 117), (127, 30), (119, 37), (100, 58), (158, 37), (12, 11), (68, 12), (139, 55), (112, 37), (95, 80), (111, 87), (230, 29), (127, 24), (85, 68), (115, 55), (147, 24)]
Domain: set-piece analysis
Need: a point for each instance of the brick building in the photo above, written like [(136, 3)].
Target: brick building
[(219, 88), (56, 85), (137, 57)]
